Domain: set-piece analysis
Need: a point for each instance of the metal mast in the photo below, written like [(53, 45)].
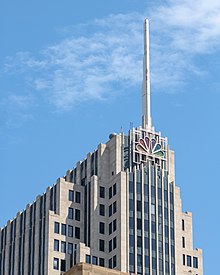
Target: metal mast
[(146, 118)]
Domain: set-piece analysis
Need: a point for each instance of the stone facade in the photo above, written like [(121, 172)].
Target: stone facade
[(89, 269)]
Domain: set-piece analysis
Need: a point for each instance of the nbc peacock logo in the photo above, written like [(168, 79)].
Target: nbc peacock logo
[(148, 145)]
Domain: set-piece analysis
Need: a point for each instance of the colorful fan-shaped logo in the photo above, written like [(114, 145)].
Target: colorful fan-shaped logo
[(146, 145)]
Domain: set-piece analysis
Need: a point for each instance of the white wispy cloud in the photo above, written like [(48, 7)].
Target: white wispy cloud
[(106, 57)]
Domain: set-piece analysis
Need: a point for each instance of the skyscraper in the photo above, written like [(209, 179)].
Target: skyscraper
[(118, 208)]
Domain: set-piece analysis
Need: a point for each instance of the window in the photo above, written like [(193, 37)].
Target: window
[(94, 260), (139, 206), (70, 248), (78, 197), (88, 259), (101, 209), (110, 228), (101, 245), (184, 259), (189, 261), (110, 193), (70, 231), (114, 261), (114, 189), (195, 262), (114, 207), (63, 229), (114, 225), (114, 242), (71, 195), (183, 225), (139, 241), (63, 265), (56, 245), (77, 214), (70, 213), (110, 246), (110, 263), (56, 263), (183, 242), (101, 228), (101, 261), (77, 232), (139, 224), (56, 227), (102, 192), (63, 246), (110, 211)]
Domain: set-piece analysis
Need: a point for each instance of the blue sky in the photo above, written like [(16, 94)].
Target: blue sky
[(70, 74)]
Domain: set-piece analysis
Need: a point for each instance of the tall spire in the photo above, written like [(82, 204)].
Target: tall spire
[(146, 118)]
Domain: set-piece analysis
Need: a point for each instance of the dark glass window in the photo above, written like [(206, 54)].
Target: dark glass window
[(184, 259), (110, 192), (102, 192), (77, 214), (131, 259), (183, 225), (101, 261), (139, 262), (131, 205), (110, 246), (114, 189), (110, 263), (70, 231), (195, 262), (115, 207), (70, 213), (166, 231), (114, 261), (154, 244), (56, 263), (70, 248), (71, 195), (114, 242), (63, 229), (88, 259), (110, 228), (110, 210), (63, 246), (56, 227), (101, 245), (63, 265), (56, 245), (114, 225), (189, 260), (138, 187), (147, 261), (146, 225), (78, 197), (101, 228), (139, 241), (94, 260), (77, 232), (183, 242), (101, 209), (139, 223), (167, 267), (139, 206)]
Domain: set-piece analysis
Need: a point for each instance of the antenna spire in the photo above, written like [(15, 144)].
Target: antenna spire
[(146, 118)]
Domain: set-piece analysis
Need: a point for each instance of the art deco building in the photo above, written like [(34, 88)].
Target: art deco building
[(118, 208)]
